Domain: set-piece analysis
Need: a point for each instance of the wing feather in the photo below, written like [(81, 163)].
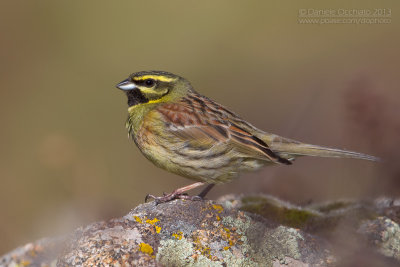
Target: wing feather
[(200, 121)]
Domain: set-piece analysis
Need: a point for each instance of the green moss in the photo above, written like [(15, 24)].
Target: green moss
[(278, 211)]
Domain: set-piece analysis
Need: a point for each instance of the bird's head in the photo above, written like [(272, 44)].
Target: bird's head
[(153, 87)]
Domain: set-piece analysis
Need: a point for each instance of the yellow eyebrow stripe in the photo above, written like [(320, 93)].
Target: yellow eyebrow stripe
[(155, 77)]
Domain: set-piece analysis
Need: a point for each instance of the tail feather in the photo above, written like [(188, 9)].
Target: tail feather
[(290, 148)]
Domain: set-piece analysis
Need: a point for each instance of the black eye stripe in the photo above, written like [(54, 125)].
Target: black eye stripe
[(146, 82)]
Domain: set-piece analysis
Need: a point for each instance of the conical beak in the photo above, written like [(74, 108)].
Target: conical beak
[(126, 85)]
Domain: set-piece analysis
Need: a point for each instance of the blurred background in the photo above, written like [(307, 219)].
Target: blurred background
[(65, 159)]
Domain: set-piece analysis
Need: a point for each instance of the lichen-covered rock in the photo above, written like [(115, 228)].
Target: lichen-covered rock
[(253, 230), (383, 233), (187, 233), (376, 221), (43, 252), (316, 218)]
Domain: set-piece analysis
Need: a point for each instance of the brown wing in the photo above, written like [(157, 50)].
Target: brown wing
[(204, 123)]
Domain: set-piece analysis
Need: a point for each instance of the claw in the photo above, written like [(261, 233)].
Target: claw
[(148, 196), (197, 198), (181, 194), (185, 197), (170, 197)]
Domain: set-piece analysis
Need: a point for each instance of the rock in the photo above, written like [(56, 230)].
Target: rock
[(234, 231), (187, 233), (383, 233), (43, 252)]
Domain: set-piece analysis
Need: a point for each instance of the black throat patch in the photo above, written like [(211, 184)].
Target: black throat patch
[(135, 97)]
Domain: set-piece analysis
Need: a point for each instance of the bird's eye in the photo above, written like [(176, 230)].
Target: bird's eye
[(149, 82)]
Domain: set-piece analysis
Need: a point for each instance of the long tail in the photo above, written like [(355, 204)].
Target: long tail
[(290, 149)]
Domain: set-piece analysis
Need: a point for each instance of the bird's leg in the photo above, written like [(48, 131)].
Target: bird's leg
[(200, 196), (180, 193), (205, 191)]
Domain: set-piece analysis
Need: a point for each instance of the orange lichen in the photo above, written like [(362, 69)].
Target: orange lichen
[(200, 239), (138, 219), (146, 248), (152, 222), (107, 260), (218, 208), (230, 236), (178, 235)]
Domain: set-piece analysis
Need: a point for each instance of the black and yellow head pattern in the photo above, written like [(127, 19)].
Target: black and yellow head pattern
[(149, 86)]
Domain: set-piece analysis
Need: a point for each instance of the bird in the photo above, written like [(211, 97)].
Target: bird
[(191, 135)]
